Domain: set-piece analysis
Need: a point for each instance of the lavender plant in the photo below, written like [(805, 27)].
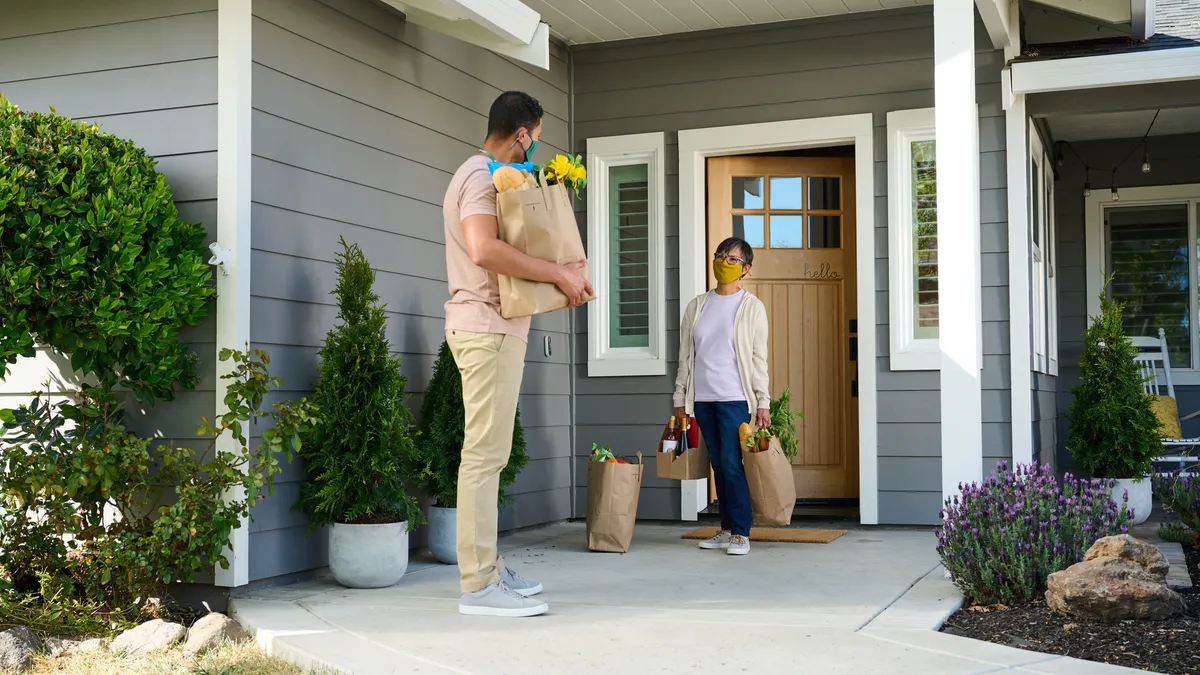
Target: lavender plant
[(1180, 493), (1002, 539)]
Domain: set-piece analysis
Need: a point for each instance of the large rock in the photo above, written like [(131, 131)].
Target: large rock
[(58, 646), (17, 646), (152, 636), (1112, 589), (1144, 554), (211, 631), (89, 646)]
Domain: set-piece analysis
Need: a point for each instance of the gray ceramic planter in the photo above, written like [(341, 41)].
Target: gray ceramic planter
[(443, 534), (368, 556)]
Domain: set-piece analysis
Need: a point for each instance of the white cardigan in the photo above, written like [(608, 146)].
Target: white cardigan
[(749, 343)]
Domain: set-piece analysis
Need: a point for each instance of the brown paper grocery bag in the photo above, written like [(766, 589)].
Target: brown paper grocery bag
[(612, 501), (690, 465), (772, 487), (540, 223)]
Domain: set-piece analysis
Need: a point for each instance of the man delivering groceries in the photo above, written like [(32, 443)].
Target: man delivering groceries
[(490, 351)]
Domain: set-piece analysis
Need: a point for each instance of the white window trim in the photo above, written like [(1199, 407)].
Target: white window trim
[(1095, 239), (907, 352), (603, 154), (1043, 312)]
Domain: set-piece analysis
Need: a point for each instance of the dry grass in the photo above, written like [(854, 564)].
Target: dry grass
[(240, 659)]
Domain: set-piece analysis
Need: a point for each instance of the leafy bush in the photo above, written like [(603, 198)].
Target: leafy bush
[(94, 260), (782, 425), (1179, 493), (1002, 539), (1114, 432), (359, 448), (71, 467), (443, 423)]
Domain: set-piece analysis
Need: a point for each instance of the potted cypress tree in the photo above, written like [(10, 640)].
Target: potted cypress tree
[(1114, 433), (358, 449), (439, 452)]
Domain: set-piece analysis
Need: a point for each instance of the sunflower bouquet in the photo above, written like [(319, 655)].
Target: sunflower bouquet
[(569, 171)]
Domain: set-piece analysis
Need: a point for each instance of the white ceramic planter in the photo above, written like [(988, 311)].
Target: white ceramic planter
[(368, 556), (1141, 497), (443, 534)]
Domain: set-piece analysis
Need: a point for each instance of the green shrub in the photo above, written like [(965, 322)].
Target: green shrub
[(1114, 432), (69, 465), (1179, 494), (94, 260), (443, 425), (360, 447)]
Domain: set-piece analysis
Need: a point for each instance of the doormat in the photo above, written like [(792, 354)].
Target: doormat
[(778, 534)]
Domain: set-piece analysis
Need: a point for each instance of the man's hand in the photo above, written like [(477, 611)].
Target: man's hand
[(573, 285)]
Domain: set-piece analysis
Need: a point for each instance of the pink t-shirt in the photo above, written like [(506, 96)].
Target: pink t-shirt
[(474, 304), (717, 377)]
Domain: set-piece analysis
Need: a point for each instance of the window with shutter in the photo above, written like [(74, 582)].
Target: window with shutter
[(627, 247)]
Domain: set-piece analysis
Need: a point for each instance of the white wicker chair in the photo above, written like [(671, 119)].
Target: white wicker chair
[(1155, 365)]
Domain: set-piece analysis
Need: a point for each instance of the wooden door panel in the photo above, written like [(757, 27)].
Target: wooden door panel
[(809, 295)]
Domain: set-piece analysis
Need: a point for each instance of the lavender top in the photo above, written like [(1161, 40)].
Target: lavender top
[(716, 369)]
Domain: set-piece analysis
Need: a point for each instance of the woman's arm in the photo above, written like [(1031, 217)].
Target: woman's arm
[(761, 379), (685, 346)]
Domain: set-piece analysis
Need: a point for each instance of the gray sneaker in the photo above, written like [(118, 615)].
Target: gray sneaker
[(499, 600), (718, 540), (738, 545), (520, 584)]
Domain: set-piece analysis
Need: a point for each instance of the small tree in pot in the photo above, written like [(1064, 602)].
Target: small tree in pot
[(358, 449), (1114, 433), (439, 452)]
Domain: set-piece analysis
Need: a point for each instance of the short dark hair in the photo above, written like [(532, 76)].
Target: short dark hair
[(741, 246), (511, 111)]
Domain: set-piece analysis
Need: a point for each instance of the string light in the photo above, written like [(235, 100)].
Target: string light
[(1143, 145), (1146, 162)]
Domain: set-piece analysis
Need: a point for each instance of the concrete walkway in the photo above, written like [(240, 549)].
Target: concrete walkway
[(867, 603)]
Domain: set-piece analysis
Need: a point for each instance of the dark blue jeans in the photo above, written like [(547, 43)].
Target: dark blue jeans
[(719, 424)]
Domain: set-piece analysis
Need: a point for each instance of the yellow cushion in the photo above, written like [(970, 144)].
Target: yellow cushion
[(1167, 412)]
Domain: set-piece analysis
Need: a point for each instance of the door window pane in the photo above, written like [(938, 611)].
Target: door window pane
[(1148, 256), (924, 222), (751, 229), (787, 192), (824, 232), (825, 193), (787, 231), (747, 192)]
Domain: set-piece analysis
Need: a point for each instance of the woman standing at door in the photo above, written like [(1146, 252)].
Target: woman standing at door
[(723, 381)]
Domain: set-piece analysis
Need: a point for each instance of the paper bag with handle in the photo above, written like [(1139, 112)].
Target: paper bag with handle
[(540, 223), (612, 501), (683, 464), (769, 475)]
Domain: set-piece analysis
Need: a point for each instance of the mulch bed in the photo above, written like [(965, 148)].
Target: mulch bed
[(1160, 646)]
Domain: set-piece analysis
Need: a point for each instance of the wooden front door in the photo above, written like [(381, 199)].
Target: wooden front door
[(798, 215)]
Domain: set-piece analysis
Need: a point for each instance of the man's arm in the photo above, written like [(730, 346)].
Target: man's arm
[(482, 236)]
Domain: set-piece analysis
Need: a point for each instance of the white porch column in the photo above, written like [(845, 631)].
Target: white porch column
[(959, 313), (233, 232)]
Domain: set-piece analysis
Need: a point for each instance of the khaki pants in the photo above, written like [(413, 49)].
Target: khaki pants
[(492, 365)]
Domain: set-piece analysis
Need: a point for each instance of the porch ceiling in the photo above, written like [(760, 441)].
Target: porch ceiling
[(1128, 124), (587, 21)]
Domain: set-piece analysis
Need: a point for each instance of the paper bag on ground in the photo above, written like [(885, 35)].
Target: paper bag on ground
[(541, 224), (612, 501), (772, 487), (689, 465)]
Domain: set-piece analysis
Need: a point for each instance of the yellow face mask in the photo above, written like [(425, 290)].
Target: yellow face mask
[(726, 272)]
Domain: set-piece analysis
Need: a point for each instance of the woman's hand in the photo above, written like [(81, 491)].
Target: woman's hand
[(679, 414), (763, 419)]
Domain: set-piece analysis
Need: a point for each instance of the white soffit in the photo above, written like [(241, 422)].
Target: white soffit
[(588, 21), (508, 27)]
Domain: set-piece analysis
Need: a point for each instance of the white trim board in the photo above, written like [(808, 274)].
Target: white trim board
[(1094, 237), (1019, 268), (1109, 70), (234, 90), (695, 146)]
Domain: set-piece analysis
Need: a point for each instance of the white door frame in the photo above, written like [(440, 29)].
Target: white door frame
[(695, 145)]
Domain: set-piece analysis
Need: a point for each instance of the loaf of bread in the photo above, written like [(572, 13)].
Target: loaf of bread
[(508, 178)]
